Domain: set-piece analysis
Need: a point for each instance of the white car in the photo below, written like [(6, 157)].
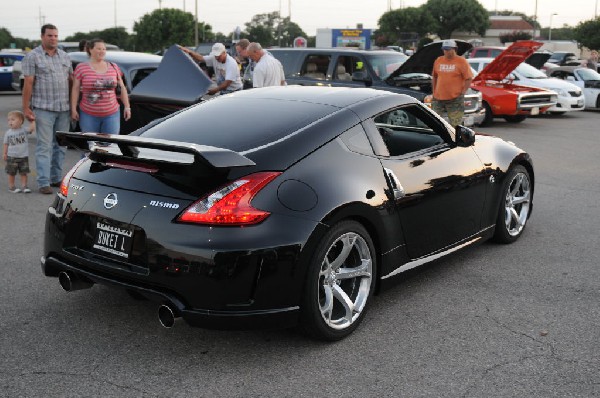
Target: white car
[(586, 79), (570, 97)]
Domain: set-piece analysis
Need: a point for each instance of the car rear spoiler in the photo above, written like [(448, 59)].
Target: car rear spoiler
[(129, 147)]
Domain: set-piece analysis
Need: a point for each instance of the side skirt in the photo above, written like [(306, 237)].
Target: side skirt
[(480, 236)]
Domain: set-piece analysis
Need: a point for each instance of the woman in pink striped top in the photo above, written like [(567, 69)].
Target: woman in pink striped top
[(96, 81)]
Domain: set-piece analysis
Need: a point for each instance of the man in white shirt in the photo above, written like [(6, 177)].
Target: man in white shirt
[(227, 72), (268, 70)]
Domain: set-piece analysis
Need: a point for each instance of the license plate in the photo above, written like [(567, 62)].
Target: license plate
[(535, 111), (112, 239)]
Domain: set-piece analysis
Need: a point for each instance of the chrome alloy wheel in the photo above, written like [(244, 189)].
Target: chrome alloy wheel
[(517, 203), (345, 280)]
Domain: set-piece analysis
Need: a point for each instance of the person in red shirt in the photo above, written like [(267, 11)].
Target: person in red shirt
[(451, 79), (96, 82)]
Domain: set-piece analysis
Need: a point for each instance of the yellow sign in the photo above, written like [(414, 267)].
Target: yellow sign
[(351, 32)]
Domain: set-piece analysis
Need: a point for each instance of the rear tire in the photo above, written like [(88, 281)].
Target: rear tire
[(515, 205), (515, 118), (340, 281)]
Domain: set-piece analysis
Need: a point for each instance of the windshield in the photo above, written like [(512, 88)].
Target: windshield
[(529, 72), (588, 74), (385, 64)]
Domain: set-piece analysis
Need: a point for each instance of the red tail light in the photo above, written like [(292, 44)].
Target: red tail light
[(230, 205), (64, 185)]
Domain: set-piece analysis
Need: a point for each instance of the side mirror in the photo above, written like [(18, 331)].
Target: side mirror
[(571, 78), (464, 136)]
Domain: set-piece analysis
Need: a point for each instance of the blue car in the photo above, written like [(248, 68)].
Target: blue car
[(7, 59)]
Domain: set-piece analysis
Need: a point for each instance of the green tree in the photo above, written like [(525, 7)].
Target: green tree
[(403, 26), (5, 38), (457, 15), (163, 27), (587, 33), (117, 36), (515, 35), (271, 30)]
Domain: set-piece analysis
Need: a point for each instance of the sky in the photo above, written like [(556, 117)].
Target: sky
[(23, 18)]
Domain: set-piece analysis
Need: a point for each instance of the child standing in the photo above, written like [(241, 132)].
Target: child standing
[(16, 151)]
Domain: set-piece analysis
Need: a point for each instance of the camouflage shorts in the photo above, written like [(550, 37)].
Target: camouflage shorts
[(455, 108), (17, 165)]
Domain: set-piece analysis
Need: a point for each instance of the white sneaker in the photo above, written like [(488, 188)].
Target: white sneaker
[(14, 190), (26, 190)]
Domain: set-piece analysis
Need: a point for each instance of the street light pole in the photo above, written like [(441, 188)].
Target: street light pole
[(550, 28)]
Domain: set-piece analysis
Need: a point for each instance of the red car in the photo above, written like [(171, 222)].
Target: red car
[(502, 98)]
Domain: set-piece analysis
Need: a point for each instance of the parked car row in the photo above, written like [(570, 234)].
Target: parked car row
[(586, 79), (382, 70)]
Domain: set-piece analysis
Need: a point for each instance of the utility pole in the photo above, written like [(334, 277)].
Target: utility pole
[(115, 13), (42, 17), (196, 24)]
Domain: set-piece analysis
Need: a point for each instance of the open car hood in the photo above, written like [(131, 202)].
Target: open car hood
[(537, 60), (508, 60), (422, 61), (177, 81)]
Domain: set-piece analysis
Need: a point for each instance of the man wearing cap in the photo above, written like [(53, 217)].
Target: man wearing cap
[(451, 79), (227, 72)]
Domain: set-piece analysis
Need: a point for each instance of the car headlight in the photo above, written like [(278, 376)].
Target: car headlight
[(561, 92)]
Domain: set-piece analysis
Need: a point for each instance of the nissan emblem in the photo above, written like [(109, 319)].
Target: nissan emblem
[(110, 201)]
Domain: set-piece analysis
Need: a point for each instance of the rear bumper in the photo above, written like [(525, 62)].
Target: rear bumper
[(274, 318)]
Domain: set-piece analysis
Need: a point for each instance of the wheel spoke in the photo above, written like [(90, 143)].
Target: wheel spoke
[(327, 307), (514, 215), (518, 181), (521, 199), (348, 243), (361, 271), (343, 298)]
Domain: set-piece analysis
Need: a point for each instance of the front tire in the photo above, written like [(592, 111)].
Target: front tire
[(489, 116), (515, 205), (340, 282)]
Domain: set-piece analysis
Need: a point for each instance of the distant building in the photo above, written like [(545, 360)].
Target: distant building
[(499, 25), (357, 38)]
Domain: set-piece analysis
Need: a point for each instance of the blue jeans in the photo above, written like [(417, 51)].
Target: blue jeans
[(49, 156), (100, 124)]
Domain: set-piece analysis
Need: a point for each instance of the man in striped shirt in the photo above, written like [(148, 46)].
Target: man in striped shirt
[(48, 73)]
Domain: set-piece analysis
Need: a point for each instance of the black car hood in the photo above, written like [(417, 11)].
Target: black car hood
[(422, 61), (537, 60), (177, 81)]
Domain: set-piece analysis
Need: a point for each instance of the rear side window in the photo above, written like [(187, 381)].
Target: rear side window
[(316, 66)]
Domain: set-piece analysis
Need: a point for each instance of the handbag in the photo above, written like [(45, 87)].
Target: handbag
[(118, 87)]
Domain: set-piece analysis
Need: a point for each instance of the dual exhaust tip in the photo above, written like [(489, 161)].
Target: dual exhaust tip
[(69, 281)]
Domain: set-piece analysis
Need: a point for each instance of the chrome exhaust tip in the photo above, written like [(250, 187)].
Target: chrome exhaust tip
[(167, 316), (70, 282)]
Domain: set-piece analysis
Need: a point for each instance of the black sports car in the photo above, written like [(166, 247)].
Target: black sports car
[(281, 205)]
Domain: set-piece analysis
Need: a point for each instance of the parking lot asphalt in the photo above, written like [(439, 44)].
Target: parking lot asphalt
[(516, 320)]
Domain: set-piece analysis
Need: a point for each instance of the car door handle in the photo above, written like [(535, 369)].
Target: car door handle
[(397, 188)]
